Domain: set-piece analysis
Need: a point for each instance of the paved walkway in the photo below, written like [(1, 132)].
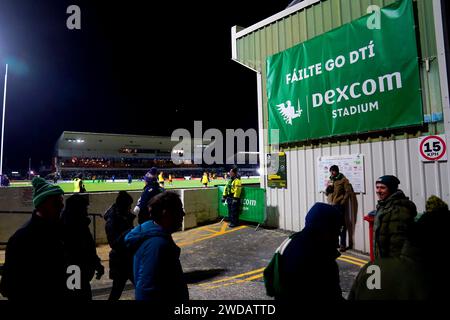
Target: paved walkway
[(221, 263)]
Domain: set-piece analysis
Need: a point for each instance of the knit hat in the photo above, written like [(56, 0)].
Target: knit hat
[(391, 182), (324, 217), (42, 190), (435, 204), (334, 168), (150, 174)]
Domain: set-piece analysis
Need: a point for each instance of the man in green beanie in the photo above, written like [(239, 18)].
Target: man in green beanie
[(35, 258), (394, 217)]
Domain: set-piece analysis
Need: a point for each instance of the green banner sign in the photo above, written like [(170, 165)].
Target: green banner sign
[(252, 204), (356, 78)]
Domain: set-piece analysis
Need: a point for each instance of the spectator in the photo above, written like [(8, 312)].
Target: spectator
[(119, 221), (232, 195), (158, 273), (34, 266), (340, 194), (151, 189), (205, 179), (79, 243), (4, 181), (307, 268), (161, 179), (78, 185), (414, 274), (394, 217)]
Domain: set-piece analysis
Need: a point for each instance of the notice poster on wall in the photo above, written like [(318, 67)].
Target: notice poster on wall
[(351, 166), (276, 170)]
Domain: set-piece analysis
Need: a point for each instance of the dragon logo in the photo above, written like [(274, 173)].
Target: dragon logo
[(288, 112)]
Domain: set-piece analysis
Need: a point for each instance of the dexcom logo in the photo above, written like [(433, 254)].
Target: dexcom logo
[(249, 202)]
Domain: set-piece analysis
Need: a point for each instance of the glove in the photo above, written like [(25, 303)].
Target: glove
[(224, 199), (100, 272)]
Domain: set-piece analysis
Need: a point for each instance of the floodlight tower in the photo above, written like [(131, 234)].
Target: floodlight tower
[(3, 122)]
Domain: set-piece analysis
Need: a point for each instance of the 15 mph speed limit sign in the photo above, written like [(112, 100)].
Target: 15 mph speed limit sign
[(433, 148)]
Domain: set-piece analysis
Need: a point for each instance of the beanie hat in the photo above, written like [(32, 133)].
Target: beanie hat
[(391, 182), (435, 204), (334, 168), (150, 174), (42, 190), (323, 216)]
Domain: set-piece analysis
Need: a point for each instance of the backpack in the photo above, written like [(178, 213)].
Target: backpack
[(272, 276)]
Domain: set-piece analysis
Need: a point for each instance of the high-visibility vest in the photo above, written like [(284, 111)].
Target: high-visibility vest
[(76, 185)]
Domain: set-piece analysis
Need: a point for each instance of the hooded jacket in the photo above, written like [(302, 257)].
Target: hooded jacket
[(158, 274), (308, 268), (118, 224), (393, 221), (35, 267), (151, 189)]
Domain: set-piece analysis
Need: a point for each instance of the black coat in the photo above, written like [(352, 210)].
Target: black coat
[(80, 247), (309, 270), (118, 224), (35, 262)]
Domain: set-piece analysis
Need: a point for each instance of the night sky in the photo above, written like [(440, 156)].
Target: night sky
[(132, 68)]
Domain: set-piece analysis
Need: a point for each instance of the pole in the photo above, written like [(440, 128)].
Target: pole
[(3, 121), (29, 168)]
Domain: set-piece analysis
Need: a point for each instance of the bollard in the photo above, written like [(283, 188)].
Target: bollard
[(371, 218)]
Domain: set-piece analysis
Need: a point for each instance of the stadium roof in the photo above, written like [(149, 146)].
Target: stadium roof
[(90, 144)]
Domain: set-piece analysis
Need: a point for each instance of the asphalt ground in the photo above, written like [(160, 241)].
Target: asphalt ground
[(222, 263)]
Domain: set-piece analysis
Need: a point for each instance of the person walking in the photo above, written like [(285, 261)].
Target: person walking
[(119, 221), (340, 194), (80, 245), (232, 195), (35, 267), (151, 189), (306, 267), (158, 274)]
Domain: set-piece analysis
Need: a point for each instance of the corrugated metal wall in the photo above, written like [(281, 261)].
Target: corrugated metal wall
[(398, 157), (397, 154)]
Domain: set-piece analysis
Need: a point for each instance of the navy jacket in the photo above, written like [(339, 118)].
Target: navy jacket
[(150, 190), (158, 274)]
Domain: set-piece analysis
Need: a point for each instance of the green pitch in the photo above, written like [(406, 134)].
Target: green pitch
[(137, 185)]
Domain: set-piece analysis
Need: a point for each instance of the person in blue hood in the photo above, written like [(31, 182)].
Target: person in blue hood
[(308, 268), (151, 189), (158, 274)]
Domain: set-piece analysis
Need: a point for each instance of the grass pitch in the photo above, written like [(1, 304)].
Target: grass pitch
[(137, 185)]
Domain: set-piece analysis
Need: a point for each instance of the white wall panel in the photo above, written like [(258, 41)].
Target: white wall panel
[(398, 157)]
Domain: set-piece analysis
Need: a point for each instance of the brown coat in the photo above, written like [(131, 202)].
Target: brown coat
[(343, 194)]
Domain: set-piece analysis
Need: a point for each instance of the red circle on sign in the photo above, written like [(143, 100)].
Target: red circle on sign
[(444, 148)]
